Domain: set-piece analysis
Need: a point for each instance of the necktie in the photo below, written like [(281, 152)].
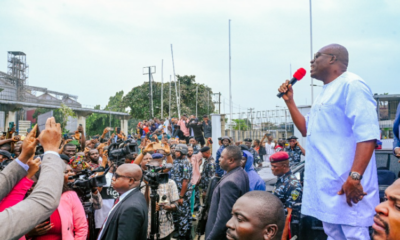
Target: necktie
[(115, 203)]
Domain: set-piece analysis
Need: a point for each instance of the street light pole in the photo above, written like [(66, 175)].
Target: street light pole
[(162, 89), (230, 83), (150, 72)]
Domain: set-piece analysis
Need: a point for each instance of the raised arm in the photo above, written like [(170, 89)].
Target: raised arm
[(297, 117), (46, 195)]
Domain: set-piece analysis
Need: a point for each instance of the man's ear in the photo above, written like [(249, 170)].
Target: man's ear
[(270, 231)]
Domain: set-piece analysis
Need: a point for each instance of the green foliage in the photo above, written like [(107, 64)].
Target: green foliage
[(66, 112), (96, 122), (241, 124), (61, 114), (138, 99)]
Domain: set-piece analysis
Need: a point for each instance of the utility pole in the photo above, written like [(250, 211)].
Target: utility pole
[(178, 98), (251, 122), (218, 102), (230, 82), (208, 103), (169, 104), (150, 70), (197, 91), (162, 89)]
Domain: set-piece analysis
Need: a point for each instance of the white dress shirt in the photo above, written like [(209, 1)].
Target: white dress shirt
[(343, 115)]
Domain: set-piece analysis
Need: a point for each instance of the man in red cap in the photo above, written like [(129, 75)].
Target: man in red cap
[(287, 187)]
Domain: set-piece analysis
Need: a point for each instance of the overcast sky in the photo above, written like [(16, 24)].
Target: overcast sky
[(95, 48)]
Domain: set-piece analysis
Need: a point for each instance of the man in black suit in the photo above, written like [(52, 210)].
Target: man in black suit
[(232, 186), (129, 215)]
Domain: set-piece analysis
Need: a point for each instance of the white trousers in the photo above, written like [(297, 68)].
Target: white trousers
[(345, 232)]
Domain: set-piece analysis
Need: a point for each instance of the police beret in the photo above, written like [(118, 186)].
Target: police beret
[(205, 149), (279, 157), (292, 137), (157, 155), (248, 140), (5, 154)]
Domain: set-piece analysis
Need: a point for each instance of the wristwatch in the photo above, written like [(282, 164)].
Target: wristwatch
[(181, 197), (355, 175)]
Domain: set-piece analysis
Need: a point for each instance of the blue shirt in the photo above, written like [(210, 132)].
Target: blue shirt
[(26, 167), (343, 115)]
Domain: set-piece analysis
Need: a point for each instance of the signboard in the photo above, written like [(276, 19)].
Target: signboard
[(42, 118)]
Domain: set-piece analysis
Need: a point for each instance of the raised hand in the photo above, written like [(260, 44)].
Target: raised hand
[(148, 148), (167, 149), (50, 137), (29, 145), (33, 167), (286, 87)]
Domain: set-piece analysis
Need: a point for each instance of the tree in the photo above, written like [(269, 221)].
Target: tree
[(138, 99), (241, 124), (66, 112), (96, 122), (61, 115)]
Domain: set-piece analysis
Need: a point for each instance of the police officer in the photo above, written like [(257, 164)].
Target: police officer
[(287, 188), (257, 159), (294, 150), (208, 170), (181, 173)]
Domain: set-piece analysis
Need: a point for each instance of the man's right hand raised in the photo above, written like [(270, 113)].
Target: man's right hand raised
[(29, 145), (50, 137), (286, 87)]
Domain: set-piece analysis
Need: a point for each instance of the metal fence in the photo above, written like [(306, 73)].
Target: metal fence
[(254, 124)]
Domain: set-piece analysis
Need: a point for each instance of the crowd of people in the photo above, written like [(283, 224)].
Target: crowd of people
[(108, 186)]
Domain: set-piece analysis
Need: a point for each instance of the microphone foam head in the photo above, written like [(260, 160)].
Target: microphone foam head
[(299, 74)]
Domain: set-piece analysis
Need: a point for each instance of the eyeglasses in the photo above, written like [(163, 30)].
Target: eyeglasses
[(116, 176), (318, 54)]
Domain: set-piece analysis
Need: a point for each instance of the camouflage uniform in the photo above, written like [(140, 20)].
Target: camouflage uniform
[(289, 190), (207, 173), (182, 169), (255, 156), (294, 155)]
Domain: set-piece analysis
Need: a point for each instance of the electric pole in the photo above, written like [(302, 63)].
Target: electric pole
[(149, 71)]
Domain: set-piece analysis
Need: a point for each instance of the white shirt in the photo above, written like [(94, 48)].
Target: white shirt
[(101, 214), (121, 197), (166, 124), (343, 115), (270, 148)]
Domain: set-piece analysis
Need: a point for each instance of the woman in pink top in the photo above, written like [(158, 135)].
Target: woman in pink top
[(19, 191), (67, 222)]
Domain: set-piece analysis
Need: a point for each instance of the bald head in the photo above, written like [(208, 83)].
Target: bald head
[(264, 218), (340, 52), (329, 63), (269, 209), (130, 170)]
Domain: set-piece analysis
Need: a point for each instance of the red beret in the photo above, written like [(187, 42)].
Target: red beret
[(279, 157)]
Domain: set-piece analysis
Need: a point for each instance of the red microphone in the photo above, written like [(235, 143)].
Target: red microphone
[(297, 76)]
